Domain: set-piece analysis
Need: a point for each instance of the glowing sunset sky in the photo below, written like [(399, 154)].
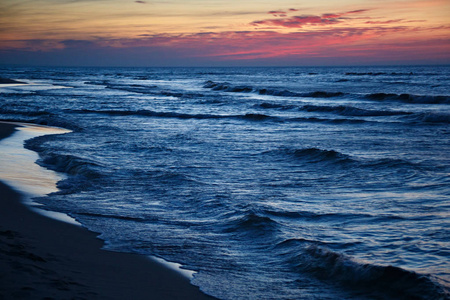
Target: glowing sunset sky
[(224, 32)]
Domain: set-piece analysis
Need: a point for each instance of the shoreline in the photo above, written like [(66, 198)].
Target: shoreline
[(42, 257)]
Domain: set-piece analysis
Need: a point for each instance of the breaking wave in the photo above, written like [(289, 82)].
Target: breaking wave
[(408, 98), (227, 87), (373, 280), (312, 155), (145, 89), (315, 156), (352, 111), (340, 110), (430, 117)]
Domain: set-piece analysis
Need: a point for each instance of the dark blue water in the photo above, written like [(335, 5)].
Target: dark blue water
[(270, 183)]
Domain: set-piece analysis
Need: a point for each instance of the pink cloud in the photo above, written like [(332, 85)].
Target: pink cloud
[(300, 21), (297, 21)]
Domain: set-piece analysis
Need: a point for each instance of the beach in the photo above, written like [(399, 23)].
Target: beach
[(44, 258)]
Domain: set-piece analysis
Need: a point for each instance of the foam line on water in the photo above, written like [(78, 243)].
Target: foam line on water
[(174, 266)]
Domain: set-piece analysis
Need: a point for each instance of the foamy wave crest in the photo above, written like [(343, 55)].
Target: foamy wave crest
[(374, 280), (69, 164), (144, 89), (431, 118), (352, 111), (227, 87), (83, 171), (408, 98)]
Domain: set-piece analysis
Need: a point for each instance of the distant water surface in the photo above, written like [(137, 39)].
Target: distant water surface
[(270, 183)]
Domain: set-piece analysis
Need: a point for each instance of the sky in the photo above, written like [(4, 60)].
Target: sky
[(224, 32)]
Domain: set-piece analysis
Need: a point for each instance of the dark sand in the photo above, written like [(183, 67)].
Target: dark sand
[(41, 258)]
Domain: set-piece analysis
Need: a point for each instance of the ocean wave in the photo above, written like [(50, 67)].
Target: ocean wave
[(409, 98), (246, 116), (146, 77), (390, 281), (134, 88), (111, 216), (330, 217), (390, 163), (343, 110), (268, 105), (430, 117), (19, 111), (150, 113), (83, 172), (352, 111), (40, 117), (329, 121), (65, 163), (379, 73), (227, 87), (316, 154), (311, 216), (312, 155), (322, 94), (251, 222), (145, 89), (70, 164), (258, 117), (331, 157), (57, 121)]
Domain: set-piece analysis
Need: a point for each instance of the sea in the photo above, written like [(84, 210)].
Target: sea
[(266, 182)]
